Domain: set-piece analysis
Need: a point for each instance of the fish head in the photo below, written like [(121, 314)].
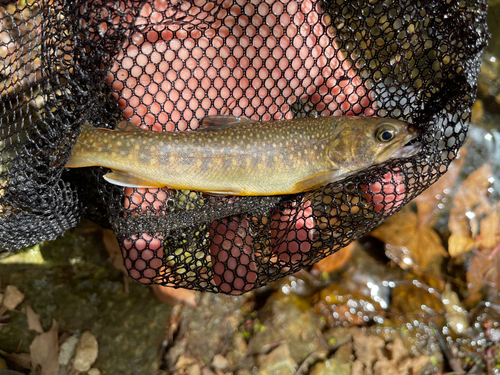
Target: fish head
[(366, 141)]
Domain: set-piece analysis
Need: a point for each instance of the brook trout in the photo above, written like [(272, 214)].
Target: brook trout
[(237, 156)]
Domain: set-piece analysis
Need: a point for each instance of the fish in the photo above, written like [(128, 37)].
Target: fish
[(237, 156)]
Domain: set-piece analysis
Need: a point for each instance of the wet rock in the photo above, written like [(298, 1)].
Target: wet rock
[(206, 371), (86, 352), (187, 366), (205, 332), (12, 297), (278, 361), (237, 352), (68, 349), (286, 318), (331, 367), (220, 362)]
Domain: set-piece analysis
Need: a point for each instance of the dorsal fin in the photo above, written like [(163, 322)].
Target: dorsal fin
[(87, 127), (222, 122), (127, 126)]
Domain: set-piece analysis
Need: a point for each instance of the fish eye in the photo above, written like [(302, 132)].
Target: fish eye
[(386, 134)]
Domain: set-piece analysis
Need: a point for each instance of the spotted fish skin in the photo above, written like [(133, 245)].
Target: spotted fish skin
[(241, 157)]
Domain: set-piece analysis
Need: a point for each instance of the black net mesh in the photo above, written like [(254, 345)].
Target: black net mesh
[(165, 64)]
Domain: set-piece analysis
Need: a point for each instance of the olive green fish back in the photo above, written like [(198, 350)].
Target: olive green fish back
[(67, 62)]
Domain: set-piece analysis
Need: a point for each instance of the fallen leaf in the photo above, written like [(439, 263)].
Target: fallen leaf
[(455, 314), (422, 242), (44, 350), (3, 364), (21, 359), (172, 296), (397, 349), (484, 269), (477, 112), (376, 357), (458, 244), (33, 320), (470, 203), (113, 249), (490, 228), (429, 200), (12, 297), (398, 229), (367, 349), (335, 261)]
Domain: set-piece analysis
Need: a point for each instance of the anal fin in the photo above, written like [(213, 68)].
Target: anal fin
[(315, 182), (121, 178)]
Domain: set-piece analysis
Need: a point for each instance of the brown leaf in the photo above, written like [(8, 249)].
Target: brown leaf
[(426, 247), (172, 296), (397, 349), (113, 249), (455, 314), (44, 350), (428, 201), (475, 275), (12, 297), (422, 242), (397, 230), (33, 320), (458, 244), (490, 229), (367, 349), (472, 196), (21, 359), (335, 261)]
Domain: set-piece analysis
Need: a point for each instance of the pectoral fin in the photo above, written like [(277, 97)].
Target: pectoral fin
[(129, 180), (315, 182)]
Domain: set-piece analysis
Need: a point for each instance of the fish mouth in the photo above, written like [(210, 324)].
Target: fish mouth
[(405, 147), (410, 149)]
